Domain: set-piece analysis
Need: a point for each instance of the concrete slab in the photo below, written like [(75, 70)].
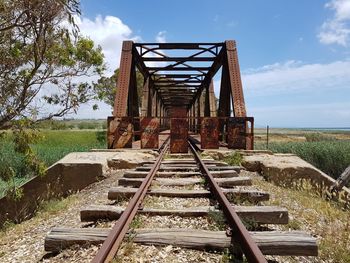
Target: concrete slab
[(76, 158), (289, 169), (127, 159)]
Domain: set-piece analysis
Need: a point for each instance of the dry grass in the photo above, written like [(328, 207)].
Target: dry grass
[(323, 219)]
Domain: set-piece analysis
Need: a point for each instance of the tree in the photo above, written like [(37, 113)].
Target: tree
[(41, 56), (106, 87)]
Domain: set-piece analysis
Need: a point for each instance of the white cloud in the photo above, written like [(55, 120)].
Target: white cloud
[(336, 30), (295, 76), (108, 32), (303, 95), (313, 115), (297, 94), (161, 37)]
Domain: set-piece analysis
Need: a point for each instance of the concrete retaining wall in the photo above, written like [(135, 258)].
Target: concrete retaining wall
[(60, 181)]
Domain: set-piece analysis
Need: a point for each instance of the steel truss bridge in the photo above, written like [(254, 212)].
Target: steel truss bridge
[(178, 95)]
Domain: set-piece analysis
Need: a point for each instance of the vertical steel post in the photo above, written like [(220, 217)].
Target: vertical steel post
[(212, 100), (145, 98), (207, 103), (198, 114), (124, 78), (235, 81)]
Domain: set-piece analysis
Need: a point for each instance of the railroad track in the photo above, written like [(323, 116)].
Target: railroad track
[(188, 178)]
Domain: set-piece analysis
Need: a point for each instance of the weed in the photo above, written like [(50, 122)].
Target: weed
[(234, 159), (137, 222), (7, 225), (54, 206), (318, 137), (226, 256), (250, 224), (53, 146), (293, 224), (216, 220), (322, 218)]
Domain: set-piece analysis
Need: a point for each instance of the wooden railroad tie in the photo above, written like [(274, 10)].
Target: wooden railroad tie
[(233, 195), (223, 182), (282, 243), (258, 214)]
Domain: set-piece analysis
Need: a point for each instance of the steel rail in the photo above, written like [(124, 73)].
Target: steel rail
[(239, 232), (113, 241)]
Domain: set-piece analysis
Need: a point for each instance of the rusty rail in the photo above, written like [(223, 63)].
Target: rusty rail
[(112, 243), (239, 232)]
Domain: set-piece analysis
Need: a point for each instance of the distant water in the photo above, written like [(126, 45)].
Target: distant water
[(326, 129)]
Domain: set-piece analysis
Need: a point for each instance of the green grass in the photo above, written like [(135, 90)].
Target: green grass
[(234, 159), (330, 156), (54, 145)]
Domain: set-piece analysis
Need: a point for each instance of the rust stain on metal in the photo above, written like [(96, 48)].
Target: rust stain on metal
[(123, 84), (178, 135), (120, 132), (210, 133), (235, 79), (149, 133), (183, 88), (178, 112), (236, 133)]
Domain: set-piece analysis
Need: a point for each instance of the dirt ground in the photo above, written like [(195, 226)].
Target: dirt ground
[(322, 219)]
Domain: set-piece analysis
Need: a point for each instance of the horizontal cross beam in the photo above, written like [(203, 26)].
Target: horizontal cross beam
[(178, 68), (176, 59)]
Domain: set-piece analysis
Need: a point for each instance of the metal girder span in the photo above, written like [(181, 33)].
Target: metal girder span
[(180, 76)]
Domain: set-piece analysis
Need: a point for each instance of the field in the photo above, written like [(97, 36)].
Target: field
[(53, 145), (327, 150)]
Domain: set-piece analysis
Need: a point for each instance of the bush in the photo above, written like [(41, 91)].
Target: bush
[(87, 125), (318, 137), (234, 159)]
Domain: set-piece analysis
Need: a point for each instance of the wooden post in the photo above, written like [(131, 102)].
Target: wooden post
[(267, 137), (342, 181)]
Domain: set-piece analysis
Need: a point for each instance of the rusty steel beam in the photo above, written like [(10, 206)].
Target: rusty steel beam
[(177, 59), (235, 79), (212, 100), (140, 63), (209, 133), (133, 101), (123, 84), (225, 93), (160, 81), (178, 68), (211, 72), (179, 45), (206, 103), (239, 232), (177, 89), (145, 99), (182, 76), (177, 86)]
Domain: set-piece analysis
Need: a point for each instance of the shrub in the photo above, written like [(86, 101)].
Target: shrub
[(234, 159), (87, 125), (318, 137)]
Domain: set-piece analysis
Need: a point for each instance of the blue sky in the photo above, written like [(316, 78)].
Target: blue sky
[(294, 55)]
